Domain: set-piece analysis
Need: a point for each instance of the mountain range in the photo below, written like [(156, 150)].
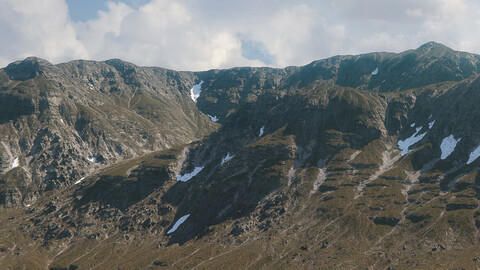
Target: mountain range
[(365, 161)]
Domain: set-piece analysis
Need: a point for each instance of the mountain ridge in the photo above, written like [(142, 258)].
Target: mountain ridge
[(88, 113), (306, 169)]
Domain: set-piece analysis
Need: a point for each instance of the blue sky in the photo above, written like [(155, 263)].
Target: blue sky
[(84, 10), (207, 34)]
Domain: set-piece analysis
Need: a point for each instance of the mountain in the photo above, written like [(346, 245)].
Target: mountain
[(61, 123), (366, 161), (378, 72)]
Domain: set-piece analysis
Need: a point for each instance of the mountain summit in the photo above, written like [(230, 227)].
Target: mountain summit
[(432, 45), (367, 161)]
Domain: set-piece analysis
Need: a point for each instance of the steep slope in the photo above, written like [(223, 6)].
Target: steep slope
[(313, 175), (378, 72), (61, 123), (325, 185)]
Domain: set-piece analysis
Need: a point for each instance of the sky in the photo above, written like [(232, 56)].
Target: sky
[(206, 34)]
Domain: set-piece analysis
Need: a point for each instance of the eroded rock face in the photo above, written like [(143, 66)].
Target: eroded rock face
[(65, 121)]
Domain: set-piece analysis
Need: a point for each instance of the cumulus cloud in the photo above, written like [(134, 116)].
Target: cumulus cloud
[(199, 35), (161, 33), (289, 30), (93, 33), (38, 28)]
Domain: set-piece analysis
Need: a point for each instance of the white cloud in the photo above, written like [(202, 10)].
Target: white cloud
[(93, 33), (289, 30), (414, 12), (162, 13), (40, 28), (161, 33), (199, 35)]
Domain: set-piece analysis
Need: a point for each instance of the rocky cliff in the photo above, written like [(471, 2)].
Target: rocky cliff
[(61, 123)]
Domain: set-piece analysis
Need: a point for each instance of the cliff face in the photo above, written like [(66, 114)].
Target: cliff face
[(310, 167), (61, 123)]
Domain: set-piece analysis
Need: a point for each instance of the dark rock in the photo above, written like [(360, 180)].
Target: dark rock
[(64, 234), (237, 230), (458, 206), (416, 218), (163, 210), (160, 263), (390, 221)]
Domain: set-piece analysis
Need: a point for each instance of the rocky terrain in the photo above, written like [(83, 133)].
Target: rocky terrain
[(366, 161), (62, 123)]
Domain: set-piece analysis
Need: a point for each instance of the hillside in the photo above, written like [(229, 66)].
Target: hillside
[(61, 123), (315, 167)]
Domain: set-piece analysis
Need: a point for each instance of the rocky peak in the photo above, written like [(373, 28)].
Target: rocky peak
[(433, 47), (28, 68), (121, 66)]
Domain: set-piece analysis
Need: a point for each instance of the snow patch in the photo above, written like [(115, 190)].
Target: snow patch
[(403, 74), (15, 163), (92, 159), (79, 181), (61, 120), (188, 176), (195, 91), (226, 158), (11, 77), (430, 116), (375, 72), (177, 224), (262, 129), (430, 125), (412, 125), (474, 155), (213, 118), (384, 81), (405, 144), (448, 145)]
